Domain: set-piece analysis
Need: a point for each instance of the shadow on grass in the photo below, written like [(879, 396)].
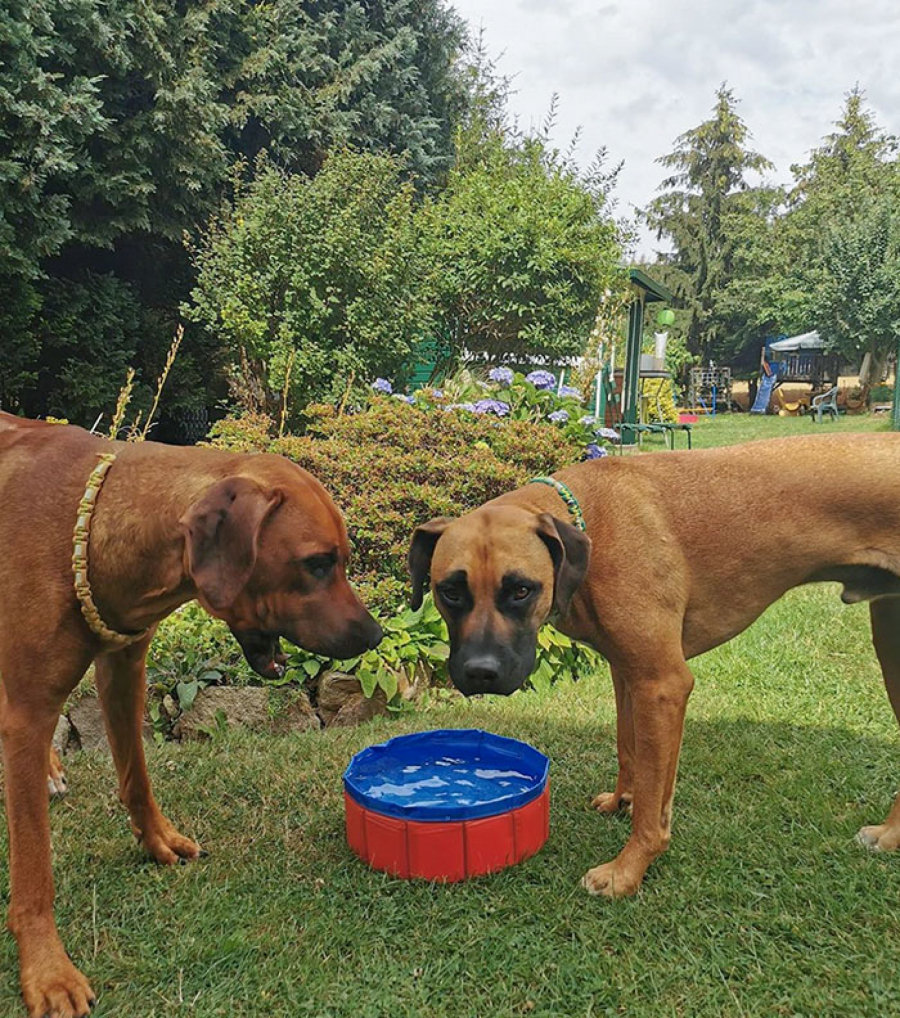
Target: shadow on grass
[(763, 905)]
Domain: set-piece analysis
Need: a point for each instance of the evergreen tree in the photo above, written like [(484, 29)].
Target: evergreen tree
[(701, 212), (120, 122)]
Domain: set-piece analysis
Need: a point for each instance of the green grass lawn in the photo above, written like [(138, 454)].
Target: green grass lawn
[(763, 906), (728, 429)]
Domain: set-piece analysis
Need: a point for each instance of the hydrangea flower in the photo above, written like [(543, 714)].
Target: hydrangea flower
[(595, 452), (502, 376), (587, 420), (382, 385), (541, 379), (404, 397), (609, 433), (492, 406), (437, 393), (558, 416), (571, 392), (462, 406)]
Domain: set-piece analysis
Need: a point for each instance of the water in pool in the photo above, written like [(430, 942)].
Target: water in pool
[(445, 781)]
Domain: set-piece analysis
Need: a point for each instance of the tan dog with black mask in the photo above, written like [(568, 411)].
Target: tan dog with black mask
[(684, 551), (255, 539)]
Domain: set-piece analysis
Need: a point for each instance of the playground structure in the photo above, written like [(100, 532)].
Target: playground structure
[(710, 389), (800, 360)]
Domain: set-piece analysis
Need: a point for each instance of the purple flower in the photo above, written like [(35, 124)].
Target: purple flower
[(587, 420), (571, 392), (558, 416), (595, 452), (492, 406), (502, 376), (541, 379), (405, 398), (382, 385), (437, 393), (608, 433), (462, 406)]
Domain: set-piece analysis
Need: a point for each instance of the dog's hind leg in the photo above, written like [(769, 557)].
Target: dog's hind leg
[(659, 694), (621, 797), (121, 683), (885, 613)]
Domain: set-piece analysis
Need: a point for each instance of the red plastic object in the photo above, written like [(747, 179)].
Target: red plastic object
[(451, 851)]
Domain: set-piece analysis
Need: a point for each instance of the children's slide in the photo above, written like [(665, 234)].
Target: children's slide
[(764, 393)]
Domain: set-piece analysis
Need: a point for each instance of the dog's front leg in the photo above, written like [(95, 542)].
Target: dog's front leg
[(121, 683), (51, 985), (623, 794), (658, 701)]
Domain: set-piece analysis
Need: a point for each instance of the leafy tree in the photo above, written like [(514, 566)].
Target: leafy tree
[(859, 295), (523, 246), (325, 274), (846, 179), (792, 262), (705, 204)]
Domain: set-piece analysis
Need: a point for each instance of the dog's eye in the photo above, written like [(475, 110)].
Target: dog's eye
[(521, 592), (319, 565), (450, 596)]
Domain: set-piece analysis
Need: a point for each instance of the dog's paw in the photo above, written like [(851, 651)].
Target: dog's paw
[(879, 838), (611, 880), (57, 990), (166, 845), (57, 785), (612, 802)]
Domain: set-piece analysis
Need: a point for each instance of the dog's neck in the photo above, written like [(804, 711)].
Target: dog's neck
[(137, 552), (540, 498)]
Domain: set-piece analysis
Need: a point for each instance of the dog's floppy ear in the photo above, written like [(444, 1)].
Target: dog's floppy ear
[(221, 532), (421, 550), (570, 550)]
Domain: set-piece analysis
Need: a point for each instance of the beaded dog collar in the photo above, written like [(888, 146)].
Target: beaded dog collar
[(81, 542), (566, 494)]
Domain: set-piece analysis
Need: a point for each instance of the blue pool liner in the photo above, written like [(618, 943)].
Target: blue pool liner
[(446, 775)]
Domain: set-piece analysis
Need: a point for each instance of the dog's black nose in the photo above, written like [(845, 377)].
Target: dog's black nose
[(376, 634), (482, 671)]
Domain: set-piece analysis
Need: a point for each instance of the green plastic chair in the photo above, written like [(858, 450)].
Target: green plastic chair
[(825, 403)]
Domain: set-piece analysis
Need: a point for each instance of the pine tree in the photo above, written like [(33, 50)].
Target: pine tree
[(699, 211)]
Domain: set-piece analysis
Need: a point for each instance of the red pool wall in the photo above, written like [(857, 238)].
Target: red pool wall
[(447, 851)]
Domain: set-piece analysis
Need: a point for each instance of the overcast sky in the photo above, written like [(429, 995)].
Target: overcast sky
[(634, 74)]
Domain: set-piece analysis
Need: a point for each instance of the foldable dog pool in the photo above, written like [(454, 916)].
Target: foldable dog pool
[(447, 804)]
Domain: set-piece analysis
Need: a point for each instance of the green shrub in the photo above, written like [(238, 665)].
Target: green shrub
[(523, 248), (320, 277), (393, 466), (190, 651)]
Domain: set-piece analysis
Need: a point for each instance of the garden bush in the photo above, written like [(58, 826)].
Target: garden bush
[(315, 281), (393, 466)]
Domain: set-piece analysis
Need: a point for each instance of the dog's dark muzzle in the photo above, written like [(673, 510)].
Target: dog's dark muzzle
[(490, 669)]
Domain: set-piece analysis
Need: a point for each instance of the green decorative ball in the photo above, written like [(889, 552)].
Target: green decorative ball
[(666, 316)]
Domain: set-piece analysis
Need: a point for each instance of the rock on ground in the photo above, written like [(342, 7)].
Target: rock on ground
[(87, 730), (86, 719), (251, 707), (342, 702)]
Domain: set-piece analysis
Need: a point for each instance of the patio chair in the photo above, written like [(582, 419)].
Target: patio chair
[(669, 426), (824, 403)]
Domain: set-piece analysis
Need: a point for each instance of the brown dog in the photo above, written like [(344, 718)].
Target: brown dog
[(255, 539), (687, 552)]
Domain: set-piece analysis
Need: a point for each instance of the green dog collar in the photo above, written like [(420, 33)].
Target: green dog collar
[(566, 494)]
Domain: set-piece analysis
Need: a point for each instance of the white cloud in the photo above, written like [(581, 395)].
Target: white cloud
[(635, 74)]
